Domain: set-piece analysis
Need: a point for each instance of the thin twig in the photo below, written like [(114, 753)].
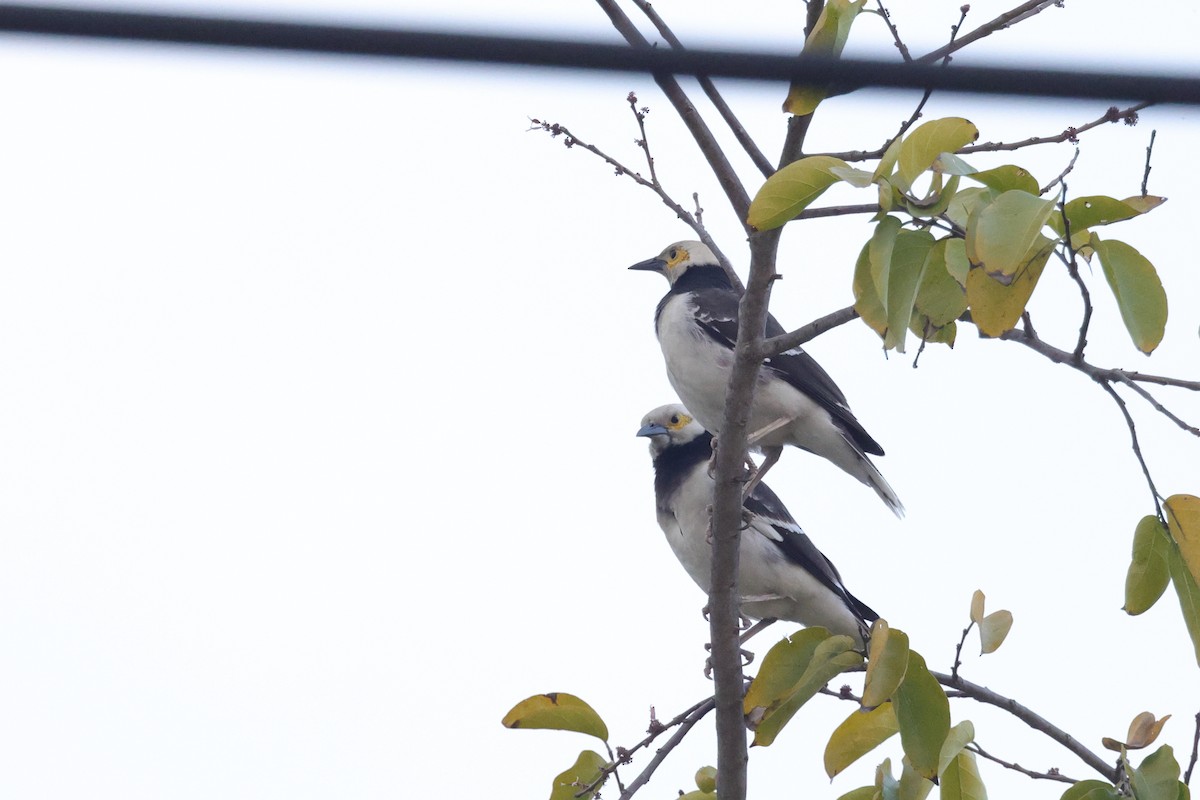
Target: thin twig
[(739, 132), (1073, 271), (1146, 173), (1149, 398), (984, 695), (1160, 380), (887, 20), (643, 141), (786, 341), (1187, 776), (1062, 175), (1137, 447), (713, 154), (958, 650), (1008, 18), (694, 715), (1051, 774)]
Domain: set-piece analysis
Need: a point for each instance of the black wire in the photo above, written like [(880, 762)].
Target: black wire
[(399, 43)]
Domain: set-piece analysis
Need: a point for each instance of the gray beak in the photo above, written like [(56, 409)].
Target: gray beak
[(653, 429), (651, 265)]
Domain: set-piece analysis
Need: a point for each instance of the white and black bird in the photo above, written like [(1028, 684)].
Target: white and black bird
[(796, 402), (781, 573)]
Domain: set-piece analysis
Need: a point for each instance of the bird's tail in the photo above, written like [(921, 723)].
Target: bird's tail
[(869, 474)]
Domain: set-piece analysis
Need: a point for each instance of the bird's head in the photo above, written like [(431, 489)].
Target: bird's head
[(669, 426), (677, 259)]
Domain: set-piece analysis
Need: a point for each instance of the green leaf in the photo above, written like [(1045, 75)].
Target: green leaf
[(1001, 234), (583, 772), (866, 297), (706, 779), (912, 785), (938, 200), (1091, 790), (1007, 178), (959, 737), (830, 658), (827, 38), (1148, 575), (1183, 520), (961, 779), (925, 330), (1143, 203), (904, 277), (556, 711), (861, 793), (1087, 212), (993, 629), (886, 664), (950, 164), (957, 263), (858, 178), (858, 735), (782, 668), (1157, 777), (928, 141), (996, 308), (964, 204), (940, 297), (888, 161), (923, 713), (1138, 290), (887, 787), (1189, 597), (879, 250), (790, 190)]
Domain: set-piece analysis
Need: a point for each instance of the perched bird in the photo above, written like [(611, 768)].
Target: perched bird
[(796, 402), (781, 573)]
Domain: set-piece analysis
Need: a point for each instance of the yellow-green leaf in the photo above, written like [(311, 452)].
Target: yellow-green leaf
[(1148, 575), (830, 658), (884, 168), (928, 141), (959, 737), (1091, 790), (940, 297), (924, 329), (886, 786), (861, 733), (706, 779), (1144, 202), (904, 277), (923, 713), (912, 785), (556, 711), (1138, 290), (961, 780), (977, 606), (858, 178), (866, 297), (1183, 518), (827, 38), (879, 250), (1001, 234), (1087, 212), (993, 629), (1189, 597), (937, 202), (957, 263), (790, 190), (861, 793), (964, 204), (782, 669), (886, 663), (996, 308), (586, 769), (1157, 777), (950, 164), (1006, 178)]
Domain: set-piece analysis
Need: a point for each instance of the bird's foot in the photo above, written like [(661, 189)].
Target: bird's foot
[(747, 660)]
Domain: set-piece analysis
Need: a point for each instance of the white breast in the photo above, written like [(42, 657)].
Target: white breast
[(697, 367)]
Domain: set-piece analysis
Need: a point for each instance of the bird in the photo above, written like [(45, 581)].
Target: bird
[(781, 573), (795, 402)]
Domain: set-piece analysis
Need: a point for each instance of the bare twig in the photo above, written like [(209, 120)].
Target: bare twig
[(1073, 271), (786, 341), (1161, 380), (643, 141), (984, 695), (1134, 443), (739, 132), (1187, 776), (1146, 173), (1051, 774), (1062, 175), (685, 722), (1149, 398), (958, 650), (1008, 18), (713, 154), (887, 20)]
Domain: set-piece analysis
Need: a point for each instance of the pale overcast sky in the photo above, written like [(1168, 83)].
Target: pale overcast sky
[(319, 379)]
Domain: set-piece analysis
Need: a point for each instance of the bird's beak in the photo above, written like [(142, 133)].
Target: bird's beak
[(651, 265), (653, 429)]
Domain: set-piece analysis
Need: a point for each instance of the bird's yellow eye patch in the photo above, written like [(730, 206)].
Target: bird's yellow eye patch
[(674, 256), (679, 421)]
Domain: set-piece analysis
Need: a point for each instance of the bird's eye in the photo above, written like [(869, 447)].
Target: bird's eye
[(674, 419), (673, 254)]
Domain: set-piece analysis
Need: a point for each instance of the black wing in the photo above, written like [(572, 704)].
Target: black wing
[(799, 549), (717, 316)]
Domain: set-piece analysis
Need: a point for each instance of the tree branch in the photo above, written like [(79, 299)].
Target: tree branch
[(704, 138), (1038, 723), (1073, 271), (685, 721), (786, 341), (1051, 774), (739, 132), (1146, 172), (1137, 447), (1187, 776), (1008, 18)]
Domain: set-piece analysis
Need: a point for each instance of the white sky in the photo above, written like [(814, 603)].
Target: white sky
[(318, 385)]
